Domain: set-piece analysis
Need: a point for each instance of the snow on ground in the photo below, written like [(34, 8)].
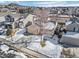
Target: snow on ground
[(15, 38), (20, 55), (21, 31), (12, 39), (50, 49), (49, 25), (4, 48), (70, 33), (53, 40), (2, 19), (68, 22), (2, 36), (76, 35), (11, 51), (17, 35)]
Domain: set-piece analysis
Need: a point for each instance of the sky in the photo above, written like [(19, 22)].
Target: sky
[(43, 3)]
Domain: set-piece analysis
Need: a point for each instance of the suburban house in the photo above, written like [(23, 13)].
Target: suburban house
[(34, 29), (41, 24), (22, 21), (46, 28), (71, 38), (9, 23), (73, 25), (4, 10), (72, 35), (58, 18)]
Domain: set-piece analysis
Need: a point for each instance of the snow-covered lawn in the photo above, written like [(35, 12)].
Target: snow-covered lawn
[(5, 48), (53, 40), (70, 33), (49, 49), (17, 35), (2, 36), (20, 31)]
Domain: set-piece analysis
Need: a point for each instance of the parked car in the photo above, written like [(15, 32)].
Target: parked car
[(1, 31)]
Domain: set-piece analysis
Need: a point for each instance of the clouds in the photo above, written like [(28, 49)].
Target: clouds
[(51, 3), (48, 3), (44, 3)]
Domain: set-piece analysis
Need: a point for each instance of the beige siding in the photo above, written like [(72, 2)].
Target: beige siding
[(34, 29)]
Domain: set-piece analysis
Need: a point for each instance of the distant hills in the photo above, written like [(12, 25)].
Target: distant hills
[(9, 4), (13, 4)]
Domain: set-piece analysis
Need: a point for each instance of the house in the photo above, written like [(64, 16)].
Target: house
[(53, 11), (12, 9), (29, 18), (21, 10), (49, 27), (34, 29), (22, 21), (9, 21), (9, 18), (4, 10), (45, 28), (19, 24), (58, 18), (72, 25), (41, 23), (9, 25), (71, 38)]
